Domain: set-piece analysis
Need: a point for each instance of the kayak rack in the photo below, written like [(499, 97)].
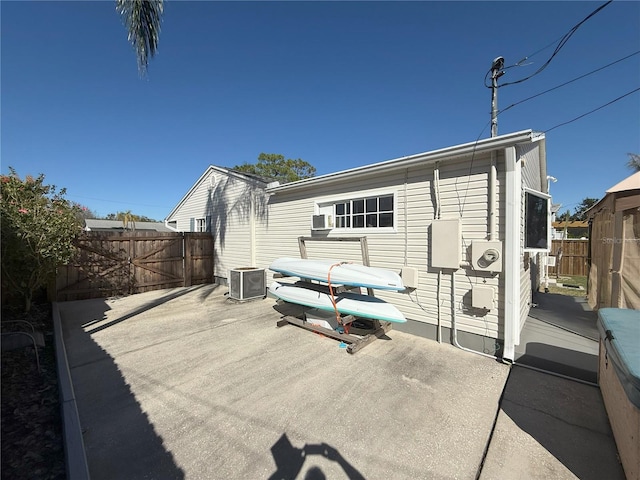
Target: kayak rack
[(355, 341)]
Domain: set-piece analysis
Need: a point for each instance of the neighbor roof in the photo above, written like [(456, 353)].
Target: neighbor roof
[(93, 224), (630, 183)]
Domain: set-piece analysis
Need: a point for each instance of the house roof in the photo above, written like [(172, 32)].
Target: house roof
[(247, 177), (489, 144), (630, 183), (621, 196), (93, 225)]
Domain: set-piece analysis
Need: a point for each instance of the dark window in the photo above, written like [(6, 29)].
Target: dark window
[(536, 221)]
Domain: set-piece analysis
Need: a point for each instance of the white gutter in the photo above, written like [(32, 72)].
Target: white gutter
[(472, 148), (513, 197)]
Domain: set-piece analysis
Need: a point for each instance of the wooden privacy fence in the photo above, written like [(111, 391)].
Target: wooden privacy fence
[(574, 257), (134, 262)]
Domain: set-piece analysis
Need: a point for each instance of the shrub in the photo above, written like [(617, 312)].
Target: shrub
[(38, 228)]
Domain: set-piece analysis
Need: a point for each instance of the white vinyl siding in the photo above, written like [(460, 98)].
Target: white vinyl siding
[(253, 227), (528, 155), (463, 192), (227, 204)]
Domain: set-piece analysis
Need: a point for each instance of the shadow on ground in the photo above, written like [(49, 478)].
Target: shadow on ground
[(574, 364), (567, 419), (146, 307), (112, 420), (290, 460), (564, 311)]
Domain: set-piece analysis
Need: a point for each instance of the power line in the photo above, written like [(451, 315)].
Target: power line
[(594, 110), (568, 82), (563, 41), (115, 201)]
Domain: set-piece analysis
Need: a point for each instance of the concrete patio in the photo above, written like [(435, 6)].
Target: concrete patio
[(185, 383)]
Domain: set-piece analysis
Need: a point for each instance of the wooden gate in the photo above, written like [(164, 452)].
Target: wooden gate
[(134, 262), (574, 257)]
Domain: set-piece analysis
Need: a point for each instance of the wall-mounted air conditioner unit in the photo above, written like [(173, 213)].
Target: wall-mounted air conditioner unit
[(247, 283), (321, 222)]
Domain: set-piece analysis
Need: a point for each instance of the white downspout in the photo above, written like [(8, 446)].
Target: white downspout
[(512, 253), (252, 229), (436, 187)]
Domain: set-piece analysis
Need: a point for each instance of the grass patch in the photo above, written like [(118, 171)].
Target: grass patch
[(572, 285)]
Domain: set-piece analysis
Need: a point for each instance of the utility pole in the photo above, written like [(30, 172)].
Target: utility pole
[(496, 72)]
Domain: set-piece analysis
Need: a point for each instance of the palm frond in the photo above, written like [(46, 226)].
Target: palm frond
[(634, 162), (142, 19)]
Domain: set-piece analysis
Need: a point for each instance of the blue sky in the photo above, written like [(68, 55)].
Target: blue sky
[(338, 84)]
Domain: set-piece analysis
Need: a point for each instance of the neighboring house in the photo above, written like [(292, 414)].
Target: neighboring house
[(228, 204), (471, 220), (563, 230), (95, 225), (615, 247)]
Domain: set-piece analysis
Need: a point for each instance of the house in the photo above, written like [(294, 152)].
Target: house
[(614, 267), (229, 204), (96, 225), (469, 223)]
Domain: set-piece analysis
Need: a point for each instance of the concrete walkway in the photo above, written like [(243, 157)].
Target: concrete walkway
[(184, 383)]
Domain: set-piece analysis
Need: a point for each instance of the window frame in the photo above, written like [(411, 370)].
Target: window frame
[(200, 225), (526, 214), (331, 206)]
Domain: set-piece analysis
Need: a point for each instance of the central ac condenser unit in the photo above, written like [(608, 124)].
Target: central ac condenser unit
[(247, 283)]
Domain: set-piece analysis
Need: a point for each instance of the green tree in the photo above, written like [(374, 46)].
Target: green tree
[(142, 18), (128, 217), (84, 212), (38, 226), (580, 212), (565, 217), (276, 167), (634, 162)]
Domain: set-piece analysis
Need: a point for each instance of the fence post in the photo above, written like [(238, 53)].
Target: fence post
[(186, 248)]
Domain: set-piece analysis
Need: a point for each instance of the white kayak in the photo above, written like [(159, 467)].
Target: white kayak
[(350, 274), (347, 303)]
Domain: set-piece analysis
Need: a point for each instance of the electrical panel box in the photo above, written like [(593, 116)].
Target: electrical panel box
[(486, 255), (482, 296), (409, 277), (446, 241)]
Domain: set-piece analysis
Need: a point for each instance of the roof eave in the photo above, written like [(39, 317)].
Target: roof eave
[(231, 173), (489, 144)]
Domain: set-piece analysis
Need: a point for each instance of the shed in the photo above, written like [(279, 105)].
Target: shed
[(615, 247), (471, 220)]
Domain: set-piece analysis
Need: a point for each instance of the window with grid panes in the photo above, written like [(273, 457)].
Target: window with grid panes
[(368, 212)]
